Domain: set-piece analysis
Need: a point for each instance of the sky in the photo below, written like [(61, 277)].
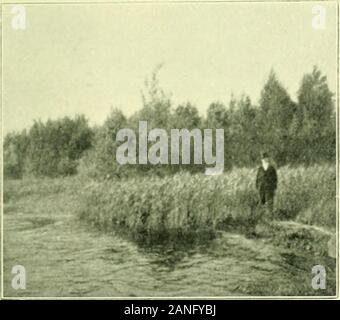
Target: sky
[(86, 59)]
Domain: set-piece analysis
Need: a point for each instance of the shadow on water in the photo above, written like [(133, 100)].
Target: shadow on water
[(223, 262), (191, 256), (166, 248), (169, 250)]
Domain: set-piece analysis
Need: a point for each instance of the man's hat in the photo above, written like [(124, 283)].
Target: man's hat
[(264, 155)]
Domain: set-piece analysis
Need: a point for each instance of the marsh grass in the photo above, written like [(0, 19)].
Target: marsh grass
[(185, 206), (188, 208)]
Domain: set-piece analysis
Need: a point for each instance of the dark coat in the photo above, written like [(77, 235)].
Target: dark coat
[(266, 180)]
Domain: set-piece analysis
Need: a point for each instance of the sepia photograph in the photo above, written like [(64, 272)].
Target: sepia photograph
[(169, 150)]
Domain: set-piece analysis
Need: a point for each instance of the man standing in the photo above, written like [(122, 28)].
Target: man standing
[(266, 182)]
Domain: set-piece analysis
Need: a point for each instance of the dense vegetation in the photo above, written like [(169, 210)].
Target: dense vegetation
[(301, 132), (185, 204), (48, 149)]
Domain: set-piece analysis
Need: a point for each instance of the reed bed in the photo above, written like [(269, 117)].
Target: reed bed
[(185, 205)]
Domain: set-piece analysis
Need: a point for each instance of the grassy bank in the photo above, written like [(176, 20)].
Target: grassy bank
[(184, 204), (188, 207), (15, 190)]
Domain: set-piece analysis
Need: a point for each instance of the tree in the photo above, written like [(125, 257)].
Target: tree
[(156, 111), (156, 103), (15, 148), (219, 117), (186, 116), (102, 158), (316, 118), (55, 147), (244, 133), (277, 111)]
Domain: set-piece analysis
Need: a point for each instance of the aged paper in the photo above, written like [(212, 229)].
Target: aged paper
[(169, 149)]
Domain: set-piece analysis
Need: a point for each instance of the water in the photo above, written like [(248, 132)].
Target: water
[(66, 257)]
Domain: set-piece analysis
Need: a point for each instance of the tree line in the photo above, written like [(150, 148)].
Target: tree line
[(293, 132)]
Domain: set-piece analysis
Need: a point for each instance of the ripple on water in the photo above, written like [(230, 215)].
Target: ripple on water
[(96, 264)]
